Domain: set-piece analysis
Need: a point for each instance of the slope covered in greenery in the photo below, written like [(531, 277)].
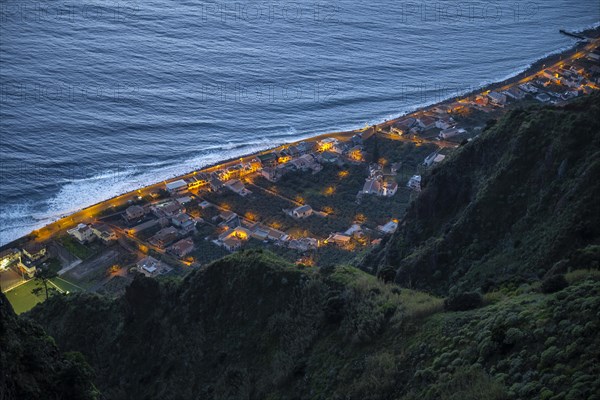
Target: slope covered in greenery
[(515, 203), (251, 327), (32, 367)]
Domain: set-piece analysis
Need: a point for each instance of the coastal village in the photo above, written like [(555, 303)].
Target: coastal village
[(317, 202)]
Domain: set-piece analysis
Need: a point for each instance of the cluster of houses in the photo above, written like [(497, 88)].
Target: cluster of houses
[(550, 86), (174, 225), (227, 177), (26, 260), (237, 230), (310, 156), (435, 121), (378, 183)]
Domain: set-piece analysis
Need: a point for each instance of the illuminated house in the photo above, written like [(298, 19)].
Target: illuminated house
[(482, 100), (284, 156), (356, 154), (197, 181), (28, 269), (233, 238), (389, 188), (304, 244), (326, 144), (388, 228), (34, 251), (9, 257), (338, 239)]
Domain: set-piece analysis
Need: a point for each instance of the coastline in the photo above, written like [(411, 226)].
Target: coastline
[(88, 213)]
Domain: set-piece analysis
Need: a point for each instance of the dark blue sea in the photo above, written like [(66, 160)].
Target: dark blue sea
[(101, 97)]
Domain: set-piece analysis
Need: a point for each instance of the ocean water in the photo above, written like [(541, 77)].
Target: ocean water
[(98, 98)]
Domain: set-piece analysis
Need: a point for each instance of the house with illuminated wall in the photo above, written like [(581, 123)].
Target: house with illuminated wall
[(197, 180), (9, 257), (232, 239), (326, 144), (35, 251)]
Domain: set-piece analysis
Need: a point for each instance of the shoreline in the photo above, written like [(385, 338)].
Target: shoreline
[(88, 213)]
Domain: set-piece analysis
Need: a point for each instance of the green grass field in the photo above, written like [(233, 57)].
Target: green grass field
[(22, 299)]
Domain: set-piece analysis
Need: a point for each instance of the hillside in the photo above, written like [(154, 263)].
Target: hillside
[(251, 327), (515, 203), (32, 367)]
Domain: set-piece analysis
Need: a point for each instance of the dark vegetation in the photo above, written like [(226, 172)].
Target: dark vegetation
[(506, 230), (32, 367), (251, 326), (518, 202)]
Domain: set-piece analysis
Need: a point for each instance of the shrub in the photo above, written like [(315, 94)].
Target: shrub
[(463, 301), (554, 283)]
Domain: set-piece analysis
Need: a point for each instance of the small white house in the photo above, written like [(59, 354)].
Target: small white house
[(82, 233), (177, 186), (451, 132), (390, 227), (433, 158), (414, 183), (302, 211)]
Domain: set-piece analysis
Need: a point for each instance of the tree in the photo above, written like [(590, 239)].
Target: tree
[(43, 276)]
